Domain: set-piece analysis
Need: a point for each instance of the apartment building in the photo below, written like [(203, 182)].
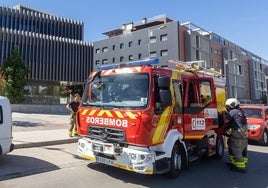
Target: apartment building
[(167, 39), (135, 41)]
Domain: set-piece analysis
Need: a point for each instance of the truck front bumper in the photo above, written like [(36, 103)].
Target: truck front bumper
[(137, 159)]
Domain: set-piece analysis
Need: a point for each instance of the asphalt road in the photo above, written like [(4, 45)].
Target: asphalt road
[(59, 166)]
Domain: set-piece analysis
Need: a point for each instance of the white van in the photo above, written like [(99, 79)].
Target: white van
[(5, 126)]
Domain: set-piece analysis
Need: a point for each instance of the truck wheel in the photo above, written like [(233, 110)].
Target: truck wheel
[(176, 162), (264, 138), (219, 147)]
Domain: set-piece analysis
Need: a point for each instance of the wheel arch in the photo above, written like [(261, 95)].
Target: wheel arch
[(173, 137)]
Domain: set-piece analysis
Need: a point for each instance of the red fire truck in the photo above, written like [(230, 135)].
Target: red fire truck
[(150, 119)]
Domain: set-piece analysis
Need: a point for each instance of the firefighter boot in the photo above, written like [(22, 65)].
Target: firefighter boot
[(231, 161), (75, 132), (70, 133), (238, 167), (246, 160)]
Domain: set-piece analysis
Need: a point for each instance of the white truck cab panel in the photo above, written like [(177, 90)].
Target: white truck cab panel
[(5, 126)]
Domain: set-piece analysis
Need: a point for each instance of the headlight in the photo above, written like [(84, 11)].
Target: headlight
[(253, 126), (140, 158), (133, 156)]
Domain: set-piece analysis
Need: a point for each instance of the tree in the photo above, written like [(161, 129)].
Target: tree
[(2, 81), (15, 71)]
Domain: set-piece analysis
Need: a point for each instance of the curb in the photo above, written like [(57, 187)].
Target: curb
[(45, 143)]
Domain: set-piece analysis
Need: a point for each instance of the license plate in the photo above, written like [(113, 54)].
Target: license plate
[(104, 160)]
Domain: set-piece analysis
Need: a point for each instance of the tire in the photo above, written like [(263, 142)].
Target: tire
[(176, 162), (264, 138), (219, 147)]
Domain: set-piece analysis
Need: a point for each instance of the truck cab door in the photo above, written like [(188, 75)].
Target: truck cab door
[(200, 107)]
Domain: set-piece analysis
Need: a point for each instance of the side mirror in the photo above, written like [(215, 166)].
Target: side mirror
[(163, 81)]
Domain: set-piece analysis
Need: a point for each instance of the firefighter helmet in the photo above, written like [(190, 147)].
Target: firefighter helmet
[(232, 102)]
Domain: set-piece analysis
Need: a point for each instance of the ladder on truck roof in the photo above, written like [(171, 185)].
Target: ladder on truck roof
[(193, 66)]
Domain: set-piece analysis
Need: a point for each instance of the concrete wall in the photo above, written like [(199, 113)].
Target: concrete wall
[(40, 109)]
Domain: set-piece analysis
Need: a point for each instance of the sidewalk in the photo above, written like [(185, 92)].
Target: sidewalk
[(34, 130)]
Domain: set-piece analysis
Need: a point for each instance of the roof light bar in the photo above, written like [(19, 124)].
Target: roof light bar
[(129, 64), (142, 62), (107, 67)]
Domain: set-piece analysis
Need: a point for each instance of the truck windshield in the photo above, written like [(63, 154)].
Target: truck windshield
[(118, 91)]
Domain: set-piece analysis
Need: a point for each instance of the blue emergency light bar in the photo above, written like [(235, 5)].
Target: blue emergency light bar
[(129, 64)]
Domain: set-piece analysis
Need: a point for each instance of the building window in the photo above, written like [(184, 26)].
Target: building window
[(197, 55), (113, 47), (113, 60), (121, 45), (139, 42), (217, 52), (153, 54), (163, 37), (239, 70), (139, 56), (97, 62), (97, 51), (130, 57), (130, 44), (105, 49), (121, 58), (164, 52), (104, 61), (197, 41), (152, 39)]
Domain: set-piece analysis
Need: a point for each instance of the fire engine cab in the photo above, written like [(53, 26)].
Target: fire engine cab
[(149, 119)]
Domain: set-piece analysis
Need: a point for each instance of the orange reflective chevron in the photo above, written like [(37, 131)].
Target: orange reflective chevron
[(84, 112), (110, 114), (119, 114), (107, 112), (92, 112), (131, 115)]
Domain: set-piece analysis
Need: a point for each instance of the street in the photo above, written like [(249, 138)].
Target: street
[(59, 166)]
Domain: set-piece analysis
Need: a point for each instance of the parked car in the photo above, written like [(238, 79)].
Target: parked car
[(6, 144), (257, 117)]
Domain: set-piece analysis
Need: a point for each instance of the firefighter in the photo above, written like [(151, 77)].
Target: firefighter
[(73, 107), (235, 126)]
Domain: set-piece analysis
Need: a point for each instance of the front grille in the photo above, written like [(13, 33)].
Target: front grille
[(107, 134)]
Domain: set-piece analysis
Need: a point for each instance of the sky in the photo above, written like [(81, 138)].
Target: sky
[(243, 22)]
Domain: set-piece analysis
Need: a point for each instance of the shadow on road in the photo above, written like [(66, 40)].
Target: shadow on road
[(204, 173), (33, 166)]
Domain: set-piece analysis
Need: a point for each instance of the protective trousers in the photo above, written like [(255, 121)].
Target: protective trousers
[(238, 148), (72, 129)]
